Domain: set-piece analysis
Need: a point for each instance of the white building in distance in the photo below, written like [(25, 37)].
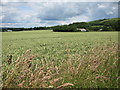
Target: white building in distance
[(9, 30), (82, 29)]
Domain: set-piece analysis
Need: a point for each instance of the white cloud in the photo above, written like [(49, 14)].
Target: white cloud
[(48, 14), (110, 13), (20, 24), (79, 19), (1, 17), (101, 6), (60, 0), (114, 8)]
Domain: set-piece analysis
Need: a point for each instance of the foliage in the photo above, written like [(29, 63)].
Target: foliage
[(97, 25), (64, 28), (71, 27), (25, 29), (107, 28), (108, 24), (81, 25), (96, 28)]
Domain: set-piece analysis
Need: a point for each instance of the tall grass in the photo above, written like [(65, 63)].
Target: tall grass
[(96, 68)]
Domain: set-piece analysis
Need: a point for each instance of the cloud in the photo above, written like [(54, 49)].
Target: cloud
[(30, 14), (60, 0), (17, 13), (59, 11), (101, 6)]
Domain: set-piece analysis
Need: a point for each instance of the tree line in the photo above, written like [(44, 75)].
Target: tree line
[(97, 25), (24, 29)]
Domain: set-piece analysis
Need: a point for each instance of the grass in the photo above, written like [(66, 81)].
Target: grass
[(46, 59)]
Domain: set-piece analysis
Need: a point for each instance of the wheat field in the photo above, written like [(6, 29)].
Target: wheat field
[(46, 59)]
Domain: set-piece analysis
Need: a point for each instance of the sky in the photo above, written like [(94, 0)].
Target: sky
[(35, 14)]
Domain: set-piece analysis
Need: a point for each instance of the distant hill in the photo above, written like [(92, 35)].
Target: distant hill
[(97, 25), (108, 24), (104, 21)]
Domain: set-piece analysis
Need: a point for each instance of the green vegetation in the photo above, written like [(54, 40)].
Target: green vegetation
[(97, 25), (107, 24), (64, 28), (71, 27), (46, 59)]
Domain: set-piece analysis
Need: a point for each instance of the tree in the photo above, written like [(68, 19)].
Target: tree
[(107, 28)]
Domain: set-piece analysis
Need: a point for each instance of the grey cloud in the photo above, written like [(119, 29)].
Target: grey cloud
[(60, 11), (56, 12), (64, 11)]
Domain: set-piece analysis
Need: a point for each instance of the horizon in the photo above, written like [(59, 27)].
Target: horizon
[(34, 14), (56, 25)]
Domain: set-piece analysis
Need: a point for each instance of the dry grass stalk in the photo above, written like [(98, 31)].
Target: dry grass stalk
[(55, 80), (65, 85), (67, 51), (48, 74)]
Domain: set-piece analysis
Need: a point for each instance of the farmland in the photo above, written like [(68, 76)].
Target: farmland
[(60, 59)]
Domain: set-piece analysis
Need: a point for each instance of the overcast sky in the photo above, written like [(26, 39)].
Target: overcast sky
[(34, 14)]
